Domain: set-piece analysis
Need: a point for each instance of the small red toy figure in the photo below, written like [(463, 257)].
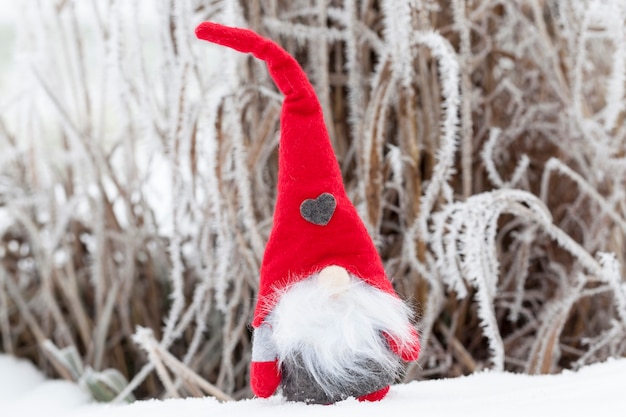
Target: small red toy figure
[(328, 324)]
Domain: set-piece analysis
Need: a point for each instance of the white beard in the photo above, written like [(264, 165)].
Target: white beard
[(337, 338)]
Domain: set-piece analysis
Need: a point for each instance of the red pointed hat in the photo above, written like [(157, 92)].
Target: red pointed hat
[(315, 224)]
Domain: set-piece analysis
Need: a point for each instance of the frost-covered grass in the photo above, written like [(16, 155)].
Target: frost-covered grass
[(483, 143)]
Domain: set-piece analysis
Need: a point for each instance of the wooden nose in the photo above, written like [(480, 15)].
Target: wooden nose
[(334, 278)]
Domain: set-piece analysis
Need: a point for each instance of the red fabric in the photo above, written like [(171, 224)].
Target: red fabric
[(375, 396), (307, 168), (264, 378), (408, 353)]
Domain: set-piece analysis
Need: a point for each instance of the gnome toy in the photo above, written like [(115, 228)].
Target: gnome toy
[(328, 324)]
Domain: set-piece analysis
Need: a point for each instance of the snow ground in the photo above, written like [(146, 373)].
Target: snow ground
[(595, 390)]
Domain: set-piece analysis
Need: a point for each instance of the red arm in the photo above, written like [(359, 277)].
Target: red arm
[(264, 369), (409, 351), (264, 378)]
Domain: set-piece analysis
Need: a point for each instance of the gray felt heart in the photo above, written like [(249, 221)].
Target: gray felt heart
[(320, 210)]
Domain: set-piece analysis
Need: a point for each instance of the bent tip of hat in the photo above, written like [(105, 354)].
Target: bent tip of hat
[(204, 30)]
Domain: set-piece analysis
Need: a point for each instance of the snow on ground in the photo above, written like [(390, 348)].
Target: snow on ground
[(595, 390)]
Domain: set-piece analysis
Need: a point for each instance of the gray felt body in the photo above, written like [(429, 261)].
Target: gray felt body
[(299, 385)]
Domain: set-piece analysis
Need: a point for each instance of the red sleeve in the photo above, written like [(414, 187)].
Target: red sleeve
[(409, 351), (264, 378)]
